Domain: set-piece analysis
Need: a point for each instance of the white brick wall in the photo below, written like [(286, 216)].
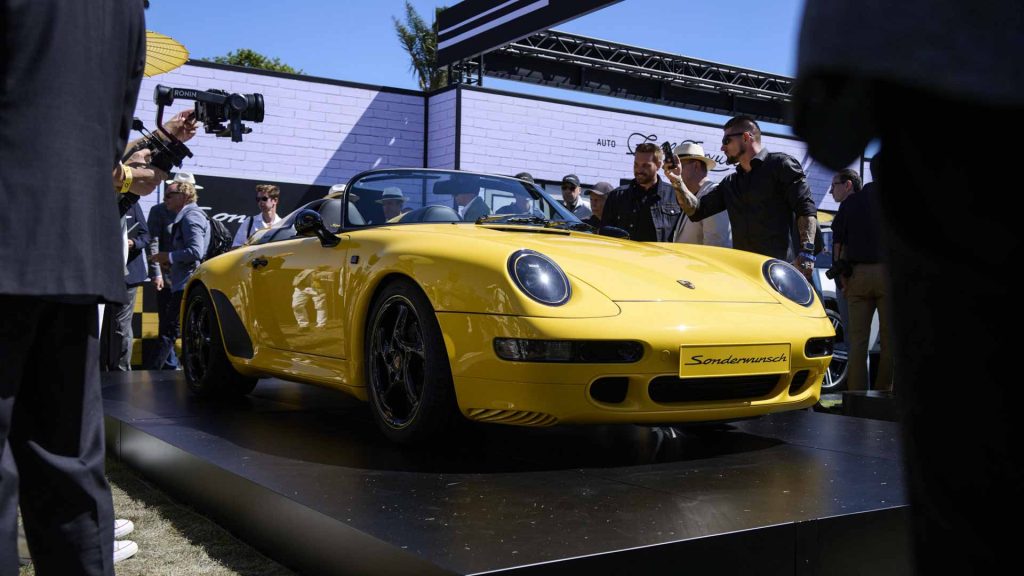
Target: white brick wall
[(313, 132), (441, 124), (506, 134)]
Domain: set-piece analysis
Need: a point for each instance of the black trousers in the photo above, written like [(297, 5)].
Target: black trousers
[(167, 314), (952, 237), (51, 439), (169, 332)]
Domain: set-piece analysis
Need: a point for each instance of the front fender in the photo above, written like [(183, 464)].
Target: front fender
[(461, 279)]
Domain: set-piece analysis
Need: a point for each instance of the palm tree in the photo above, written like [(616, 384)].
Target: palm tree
[(420, 41)]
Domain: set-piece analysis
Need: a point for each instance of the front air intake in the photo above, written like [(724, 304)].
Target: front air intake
[(672, 389), (799, 379), (610, 389)]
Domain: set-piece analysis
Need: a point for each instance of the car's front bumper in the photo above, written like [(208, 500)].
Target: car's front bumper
[(531, 393)]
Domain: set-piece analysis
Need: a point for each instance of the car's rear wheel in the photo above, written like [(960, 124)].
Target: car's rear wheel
[(207, 368), (408, 375), (835, 376)]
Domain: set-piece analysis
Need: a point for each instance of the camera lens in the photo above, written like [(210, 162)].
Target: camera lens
[(254, 108)]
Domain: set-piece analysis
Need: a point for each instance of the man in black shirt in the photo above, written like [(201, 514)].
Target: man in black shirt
[(855, 239), (762, 197), (647, 207)]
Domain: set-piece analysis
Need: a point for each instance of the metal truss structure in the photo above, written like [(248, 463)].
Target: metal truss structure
[(574, 62)]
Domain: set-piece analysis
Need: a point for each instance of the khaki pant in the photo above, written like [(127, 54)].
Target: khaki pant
[(866, 292)]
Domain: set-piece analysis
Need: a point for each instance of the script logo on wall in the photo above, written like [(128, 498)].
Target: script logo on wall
[(637, 138)]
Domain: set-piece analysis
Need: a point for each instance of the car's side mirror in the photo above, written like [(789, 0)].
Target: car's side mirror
[(613, 232), (308, 223)]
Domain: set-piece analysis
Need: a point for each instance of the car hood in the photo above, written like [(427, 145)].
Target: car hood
[(627, 271)]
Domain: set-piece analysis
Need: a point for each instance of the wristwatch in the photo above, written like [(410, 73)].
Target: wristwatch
[(807, 247)]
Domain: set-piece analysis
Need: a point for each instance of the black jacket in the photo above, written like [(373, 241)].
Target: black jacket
[(762, 203)]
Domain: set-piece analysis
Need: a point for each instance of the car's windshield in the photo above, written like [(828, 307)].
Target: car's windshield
[(400, 197)]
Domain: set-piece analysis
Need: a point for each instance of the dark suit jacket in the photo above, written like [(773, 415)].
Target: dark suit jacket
[(139, 232), (160, 222), (69, 77)]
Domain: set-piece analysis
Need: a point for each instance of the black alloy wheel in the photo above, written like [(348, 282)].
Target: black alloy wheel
[(408, 375), (196, 339), (397, 361), (208, 371)]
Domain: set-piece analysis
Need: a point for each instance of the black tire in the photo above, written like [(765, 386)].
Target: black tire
[(207, 369), (407, 372), (835, 376)]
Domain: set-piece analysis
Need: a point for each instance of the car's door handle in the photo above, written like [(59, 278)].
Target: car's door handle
[(258, 262)]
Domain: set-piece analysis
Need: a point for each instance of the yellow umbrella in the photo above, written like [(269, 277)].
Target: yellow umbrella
[(163, 53)]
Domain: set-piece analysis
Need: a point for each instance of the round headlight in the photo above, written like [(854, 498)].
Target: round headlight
[(788, 281), (539, 278)]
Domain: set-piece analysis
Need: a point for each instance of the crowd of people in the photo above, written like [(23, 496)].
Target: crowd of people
[(51, 427)]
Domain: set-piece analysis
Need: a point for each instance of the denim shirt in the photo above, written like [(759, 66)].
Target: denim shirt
[(648, 215)]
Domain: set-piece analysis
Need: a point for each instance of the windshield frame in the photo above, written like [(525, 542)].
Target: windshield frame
[(536, 193)]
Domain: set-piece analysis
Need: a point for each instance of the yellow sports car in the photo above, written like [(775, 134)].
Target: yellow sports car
[(521, 317)]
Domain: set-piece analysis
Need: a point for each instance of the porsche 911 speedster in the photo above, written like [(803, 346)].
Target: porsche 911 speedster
[(523, 317)]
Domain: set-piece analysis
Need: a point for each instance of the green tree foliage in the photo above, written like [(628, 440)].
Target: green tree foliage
[(420, 41), (253, 59)]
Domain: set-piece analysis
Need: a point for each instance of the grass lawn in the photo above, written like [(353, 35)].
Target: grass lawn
[(173, 539)]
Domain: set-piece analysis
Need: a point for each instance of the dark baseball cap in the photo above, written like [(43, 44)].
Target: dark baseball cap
[(600, 189), (571, 179)]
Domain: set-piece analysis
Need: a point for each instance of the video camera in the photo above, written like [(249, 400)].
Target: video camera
[(213, 109)]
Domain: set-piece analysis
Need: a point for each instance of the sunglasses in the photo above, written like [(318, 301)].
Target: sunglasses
[(263, 198), (728, 137)]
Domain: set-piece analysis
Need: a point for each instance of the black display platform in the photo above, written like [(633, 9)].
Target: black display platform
[(301, 473), (871, 404)]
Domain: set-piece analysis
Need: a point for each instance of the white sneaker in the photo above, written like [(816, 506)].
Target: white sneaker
[(124, 549), (122, 528)]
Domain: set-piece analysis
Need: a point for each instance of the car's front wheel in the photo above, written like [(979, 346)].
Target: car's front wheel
[(207, 368), (835, 376), (408, 375)]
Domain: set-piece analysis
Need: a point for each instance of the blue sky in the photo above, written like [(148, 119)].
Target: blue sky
[(355, 40)]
